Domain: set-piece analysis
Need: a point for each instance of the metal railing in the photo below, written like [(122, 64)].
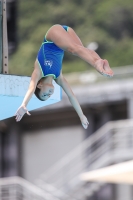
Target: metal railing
[(16, 188), (112, 143)]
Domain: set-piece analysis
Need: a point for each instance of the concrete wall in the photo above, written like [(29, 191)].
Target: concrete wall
[(40, 150)]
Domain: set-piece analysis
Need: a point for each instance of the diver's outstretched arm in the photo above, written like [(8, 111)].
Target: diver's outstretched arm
[(73, 100), (32, 86)]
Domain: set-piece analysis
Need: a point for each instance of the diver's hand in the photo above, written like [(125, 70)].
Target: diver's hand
[(102, 66), (84, 121), (20, 113)]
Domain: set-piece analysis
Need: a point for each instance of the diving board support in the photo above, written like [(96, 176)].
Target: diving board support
[(1, 33), (12, 91), (3, 38), (118, 173)]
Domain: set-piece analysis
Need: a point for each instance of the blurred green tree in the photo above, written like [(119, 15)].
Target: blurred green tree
[(109, 23)]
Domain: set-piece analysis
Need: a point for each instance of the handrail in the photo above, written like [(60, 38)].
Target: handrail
[(6, 183)]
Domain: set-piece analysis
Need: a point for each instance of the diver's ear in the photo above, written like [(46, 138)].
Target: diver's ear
[(39, 85)]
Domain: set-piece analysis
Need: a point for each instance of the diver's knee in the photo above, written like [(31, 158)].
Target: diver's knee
[(74, 49)]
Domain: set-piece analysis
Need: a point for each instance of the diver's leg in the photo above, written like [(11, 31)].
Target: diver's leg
[(67, 42), (74, 36)]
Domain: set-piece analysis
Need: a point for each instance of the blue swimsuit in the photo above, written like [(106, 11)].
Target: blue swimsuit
[(50, 58)]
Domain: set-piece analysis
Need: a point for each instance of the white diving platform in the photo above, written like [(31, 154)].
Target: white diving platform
[(12, 91)]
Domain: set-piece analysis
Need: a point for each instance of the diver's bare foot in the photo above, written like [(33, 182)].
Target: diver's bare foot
[(107, 68), (102, 66)]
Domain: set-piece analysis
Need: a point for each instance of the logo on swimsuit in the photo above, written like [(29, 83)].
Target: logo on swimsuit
[(48, 63)]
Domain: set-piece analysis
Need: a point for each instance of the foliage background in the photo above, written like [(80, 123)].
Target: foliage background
[(109, 23)]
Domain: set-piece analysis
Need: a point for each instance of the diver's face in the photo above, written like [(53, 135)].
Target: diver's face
[(46, 93), (46, 90)]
